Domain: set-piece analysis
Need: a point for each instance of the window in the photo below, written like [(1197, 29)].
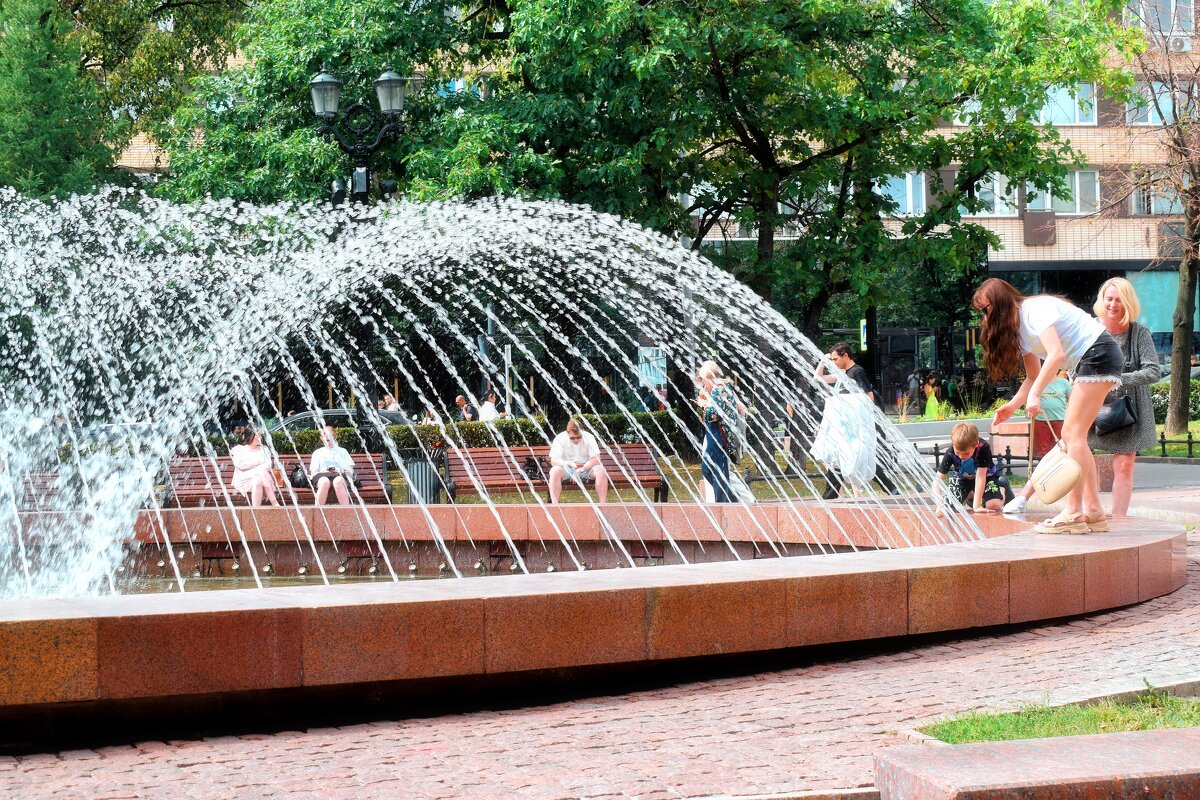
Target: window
[(1084, 199), (1162, 16), (968, 112), (996, 196), (1156, 200), (907, 192), (1157, 104), (1066, 105)]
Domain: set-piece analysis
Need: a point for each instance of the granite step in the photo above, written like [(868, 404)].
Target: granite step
[(1160, 764)]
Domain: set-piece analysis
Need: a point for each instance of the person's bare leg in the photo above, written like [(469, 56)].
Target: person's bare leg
[(555, 480), (1122, 489), (269, 490), (341, 490), (256, 494), (1082, 407), (601, 478), (322, 491)]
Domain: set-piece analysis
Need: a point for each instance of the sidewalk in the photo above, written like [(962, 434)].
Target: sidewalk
[(1169, 492)]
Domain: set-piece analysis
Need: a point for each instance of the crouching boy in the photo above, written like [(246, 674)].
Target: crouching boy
[(970, 465)]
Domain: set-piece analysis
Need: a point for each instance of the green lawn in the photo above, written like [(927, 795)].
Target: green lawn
[(1155, 709), (1176, 450)]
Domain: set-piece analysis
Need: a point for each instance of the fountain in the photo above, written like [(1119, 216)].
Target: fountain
[(134, 331)]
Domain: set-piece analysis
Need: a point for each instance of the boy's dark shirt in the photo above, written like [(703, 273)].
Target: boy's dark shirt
[(982, 458)]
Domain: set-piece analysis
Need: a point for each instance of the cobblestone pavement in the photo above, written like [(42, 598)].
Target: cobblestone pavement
[(813, 727)]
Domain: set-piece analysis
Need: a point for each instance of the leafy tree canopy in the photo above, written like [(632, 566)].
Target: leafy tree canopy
[(784, 116), (54, 135), (144, 53)]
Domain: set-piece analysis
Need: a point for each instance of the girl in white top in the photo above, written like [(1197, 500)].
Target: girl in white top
[(331, 465), (252, 469), (1044, 334)]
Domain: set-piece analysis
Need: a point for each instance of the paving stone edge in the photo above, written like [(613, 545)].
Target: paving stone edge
[(1181, 689)]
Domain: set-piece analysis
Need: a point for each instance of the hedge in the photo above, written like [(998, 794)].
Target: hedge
[(519, 430), (657, 428), (1159, 393)]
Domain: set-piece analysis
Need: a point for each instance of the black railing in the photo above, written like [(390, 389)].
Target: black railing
[(1005, 465), (1163, 441)]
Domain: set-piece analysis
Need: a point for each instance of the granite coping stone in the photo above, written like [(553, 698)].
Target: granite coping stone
[(1026, 546), (513, 621), (1162, 764)]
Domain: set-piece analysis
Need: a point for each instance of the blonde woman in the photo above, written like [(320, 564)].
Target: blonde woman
[(1117, 308), (721, 411)]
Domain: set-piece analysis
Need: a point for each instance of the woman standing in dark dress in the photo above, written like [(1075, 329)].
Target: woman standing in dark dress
[(1117, 307)]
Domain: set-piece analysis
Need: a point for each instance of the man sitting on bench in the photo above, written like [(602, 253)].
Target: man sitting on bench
[(575, 454)]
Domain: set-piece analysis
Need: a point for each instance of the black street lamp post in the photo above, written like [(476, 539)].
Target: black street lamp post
[(362, 131)]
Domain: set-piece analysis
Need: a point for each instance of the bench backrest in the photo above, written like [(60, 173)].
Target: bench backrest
[(492, 465), (39, 491), (202, 473)]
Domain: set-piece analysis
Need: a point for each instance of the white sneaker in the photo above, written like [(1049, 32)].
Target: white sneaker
[(1016, 505)]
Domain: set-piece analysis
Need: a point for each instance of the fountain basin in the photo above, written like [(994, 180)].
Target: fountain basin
[(203, 647), (475, 534)]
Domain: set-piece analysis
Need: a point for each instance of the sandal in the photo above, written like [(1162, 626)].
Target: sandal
[(1075, 523), (1098, 522)]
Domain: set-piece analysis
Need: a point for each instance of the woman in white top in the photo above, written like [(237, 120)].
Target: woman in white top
[(487, 409), (331, 465), (252, 469), (1046, 334)]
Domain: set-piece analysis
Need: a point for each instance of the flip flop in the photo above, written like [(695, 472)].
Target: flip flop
[(1076, 523)]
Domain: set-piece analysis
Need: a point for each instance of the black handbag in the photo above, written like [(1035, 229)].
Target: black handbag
[(1117, 414), (536, 468), (299, 478)]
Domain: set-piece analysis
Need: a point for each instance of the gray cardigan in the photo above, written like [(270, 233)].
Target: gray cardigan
[(1141, 359)]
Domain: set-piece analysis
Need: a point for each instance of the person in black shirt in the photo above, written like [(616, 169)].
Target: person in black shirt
[(468, 411), (840, 355), (969, 461)]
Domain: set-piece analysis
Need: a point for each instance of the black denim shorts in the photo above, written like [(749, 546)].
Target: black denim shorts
[(1102, 362)]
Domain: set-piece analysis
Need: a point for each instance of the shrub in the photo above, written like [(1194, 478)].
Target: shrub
[(1159, 393), (515, 431), (658, 428)]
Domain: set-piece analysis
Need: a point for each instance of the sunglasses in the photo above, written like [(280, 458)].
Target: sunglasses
[(575, 438), (984, 310)]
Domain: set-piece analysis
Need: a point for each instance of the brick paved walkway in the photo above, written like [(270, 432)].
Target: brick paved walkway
[(807, 728)]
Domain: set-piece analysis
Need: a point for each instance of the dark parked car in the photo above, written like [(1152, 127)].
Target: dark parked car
[(337, 417)]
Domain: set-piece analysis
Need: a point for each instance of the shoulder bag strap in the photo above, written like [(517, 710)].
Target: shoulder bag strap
[(1130, 360)]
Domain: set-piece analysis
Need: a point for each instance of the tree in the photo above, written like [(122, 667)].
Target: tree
[(249, 132), (1168, 110), (145, 53), (54, 135), (774, 116), (783, 117)]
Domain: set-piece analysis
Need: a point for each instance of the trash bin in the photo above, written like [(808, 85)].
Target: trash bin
[(424, 483)]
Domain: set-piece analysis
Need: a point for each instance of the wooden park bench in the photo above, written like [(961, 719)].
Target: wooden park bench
[(491, 470), (40, 489), (196, 482)]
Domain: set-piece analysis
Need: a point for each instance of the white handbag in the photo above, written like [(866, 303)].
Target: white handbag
[(1056, 474)]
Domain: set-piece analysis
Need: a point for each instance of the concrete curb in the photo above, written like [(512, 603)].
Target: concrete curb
[(868, 793), (1182, 689)]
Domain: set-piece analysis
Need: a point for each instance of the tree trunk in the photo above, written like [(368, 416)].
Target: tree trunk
[(1181, 341), (811, 325)]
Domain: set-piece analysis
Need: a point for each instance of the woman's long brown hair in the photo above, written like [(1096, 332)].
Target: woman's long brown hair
[(1001, 334)]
